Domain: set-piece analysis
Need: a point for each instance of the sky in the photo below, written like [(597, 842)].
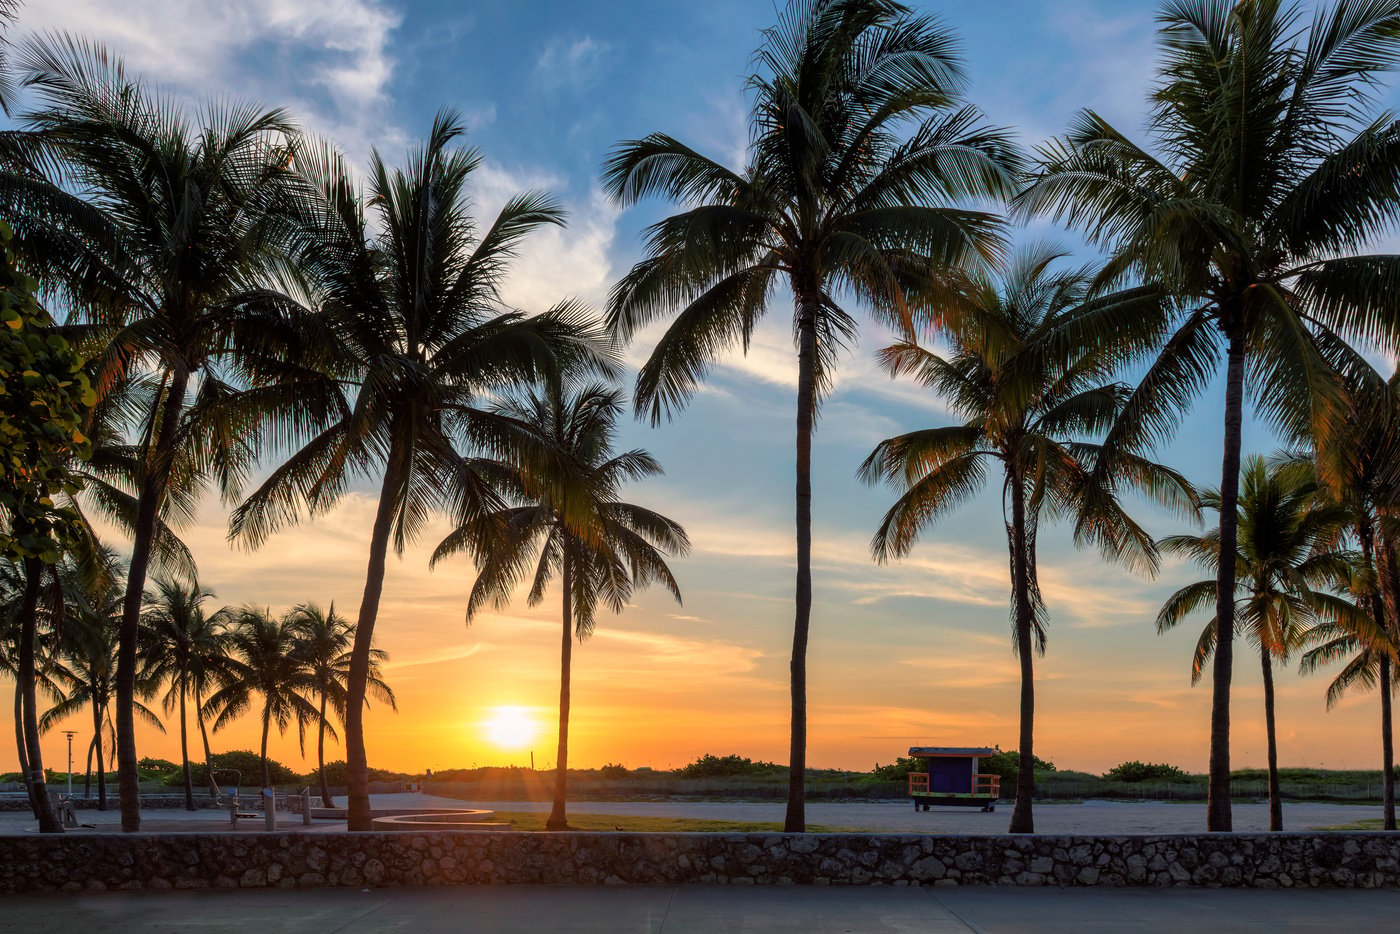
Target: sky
[(917, 652)]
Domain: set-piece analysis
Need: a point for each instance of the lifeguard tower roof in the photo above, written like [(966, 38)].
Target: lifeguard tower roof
[(939, 752)]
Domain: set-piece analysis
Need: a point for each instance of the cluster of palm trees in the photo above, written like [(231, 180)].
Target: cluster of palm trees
[(245, 298), (1234, 233), (220, 663)]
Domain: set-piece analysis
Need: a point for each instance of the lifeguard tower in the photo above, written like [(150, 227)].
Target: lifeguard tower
[(951, 778)]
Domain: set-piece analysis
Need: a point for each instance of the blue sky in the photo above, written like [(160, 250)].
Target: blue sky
[(916, 653)]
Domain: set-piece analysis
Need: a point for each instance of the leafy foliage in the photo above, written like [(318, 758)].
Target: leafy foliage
[(247, 763), (158, 769), (1008, 765), (898, 770), (338, 773), (1135, 771), (45, 398), (712, 766)]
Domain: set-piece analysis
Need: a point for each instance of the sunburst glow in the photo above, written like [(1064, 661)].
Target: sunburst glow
[(511, 727)]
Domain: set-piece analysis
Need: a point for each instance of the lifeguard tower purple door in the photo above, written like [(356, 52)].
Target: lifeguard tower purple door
[(951, 778)]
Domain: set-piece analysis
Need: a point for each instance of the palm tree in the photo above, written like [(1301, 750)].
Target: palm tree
[(570, 525), (1369, 653), (1271, 170), (87, 674), (1362, 474), (1029, 413), (410, 308), (1285, 572), (186, 650), (160, 231), (833, 201), (263, 660), (324, 639)]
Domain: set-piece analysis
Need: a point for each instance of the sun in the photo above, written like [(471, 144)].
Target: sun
[(511, 727)]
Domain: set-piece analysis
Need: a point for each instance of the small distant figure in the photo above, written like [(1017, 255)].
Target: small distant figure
[(427, 773)]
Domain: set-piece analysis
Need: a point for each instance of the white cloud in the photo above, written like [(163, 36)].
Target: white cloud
[(571, 63), (281, 52)]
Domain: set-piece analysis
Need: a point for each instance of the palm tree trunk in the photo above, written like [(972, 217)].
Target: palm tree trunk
[(1366, 534), (266, 775), (185, 746), (1218, 814), (20, 745), (1275, 791), (326, 801), (795, 820), (87, 778), (1387, 750), (152, 495), (558, 820), (101, 762), (1022, 820), (357, 764), (204, 737), (28, 679)]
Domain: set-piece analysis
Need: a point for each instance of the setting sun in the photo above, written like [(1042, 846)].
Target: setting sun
[(511, 727)]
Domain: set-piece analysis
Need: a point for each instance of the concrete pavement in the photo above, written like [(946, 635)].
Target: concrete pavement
[(695, 909), (1087, 817)]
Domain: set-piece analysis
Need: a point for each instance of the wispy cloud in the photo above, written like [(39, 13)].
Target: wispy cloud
[(572, 63), (327, 60)]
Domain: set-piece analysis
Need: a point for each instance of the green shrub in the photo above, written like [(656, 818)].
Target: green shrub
[(156, 770), (612, 770), (899, 770), (1136, 771), (709, 766), (338, 773), (247, 763), (1008, 765)]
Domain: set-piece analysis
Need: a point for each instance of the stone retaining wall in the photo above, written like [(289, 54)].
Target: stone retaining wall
[(162, 861)]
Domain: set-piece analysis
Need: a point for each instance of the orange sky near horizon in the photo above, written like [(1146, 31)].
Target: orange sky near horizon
[(660, 685)]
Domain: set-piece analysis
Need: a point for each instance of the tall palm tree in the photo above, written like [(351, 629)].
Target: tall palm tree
[(1031, 414), (411, 311), (185, 648), (159, 230), (570, 525), (324, 640), (263, 661), (1286, 572), (1270, 171), (858, 147)]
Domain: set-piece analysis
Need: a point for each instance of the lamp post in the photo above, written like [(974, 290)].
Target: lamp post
[(70, 734)]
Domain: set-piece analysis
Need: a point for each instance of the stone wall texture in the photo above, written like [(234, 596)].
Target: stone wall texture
[(31, 863)]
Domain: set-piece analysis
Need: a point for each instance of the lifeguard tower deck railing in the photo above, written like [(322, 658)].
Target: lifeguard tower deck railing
[(982, 784)]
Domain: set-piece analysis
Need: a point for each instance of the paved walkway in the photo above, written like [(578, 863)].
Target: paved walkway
[(694, 909), (1087, 817)]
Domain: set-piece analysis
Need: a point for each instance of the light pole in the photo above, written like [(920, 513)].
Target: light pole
[(70, 734)]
